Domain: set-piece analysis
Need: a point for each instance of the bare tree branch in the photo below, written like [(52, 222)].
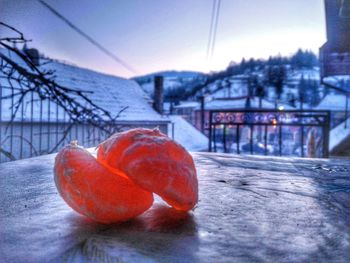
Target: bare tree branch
[(25, 78)]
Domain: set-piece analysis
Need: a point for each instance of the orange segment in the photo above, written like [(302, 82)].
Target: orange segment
[(154, 162), (96, 192)]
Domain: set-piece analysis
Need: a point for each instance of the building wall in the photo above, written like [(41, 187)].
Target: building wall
[(338, 28), (335, 54)]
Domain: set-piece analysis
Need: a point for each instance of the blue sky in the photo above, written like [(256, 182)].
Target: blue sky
[(154, 35)]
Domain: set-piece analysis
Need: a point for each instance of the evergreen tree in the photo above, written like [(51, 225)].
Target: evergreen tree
[(301, 91), (291, 99), (243, 66), (304, 59), (251, 65), (276, 76), (314, 92)]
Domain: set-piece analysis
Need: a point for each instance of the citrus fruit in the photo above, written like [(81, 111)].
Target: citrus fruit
[(96, 192), (154, 162)]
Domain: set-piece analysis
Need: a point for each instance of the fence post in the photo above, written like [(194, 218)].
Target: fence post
[(326, 132), (0, 121), (210, 131), (346, 109)]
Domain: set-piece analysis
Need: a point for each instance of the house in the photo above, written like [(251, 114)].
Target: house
[(41, 126)]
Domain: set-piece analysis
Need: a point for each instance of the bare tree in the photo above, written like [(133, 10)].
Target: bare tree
[(30, 77)]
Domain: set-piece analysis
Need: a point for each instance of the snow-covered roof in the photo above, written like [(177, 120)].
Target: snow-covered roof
[(108, 92), (240, 104), (339, 81), (187, 135), (333, 102), (338, 134)]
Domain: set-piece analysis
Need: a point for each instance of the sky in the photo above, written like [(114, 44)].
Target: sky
[(157, 35)]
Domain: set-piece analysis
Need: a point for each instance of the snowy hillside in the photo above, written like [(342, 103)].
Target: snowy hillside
[(170, 74), (238, 85), (172, 79)]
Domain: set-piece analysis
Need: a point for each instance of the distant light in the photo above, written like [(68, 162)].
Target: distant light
[(280, 108), (274, 122)]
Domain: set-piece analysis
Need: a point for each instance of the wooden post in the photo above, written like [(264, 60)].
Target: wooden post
[(202, 112), (346, 110)]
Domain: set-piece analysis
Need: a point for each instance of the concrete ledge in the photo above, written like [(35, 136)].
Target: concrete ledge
[(251, 209)]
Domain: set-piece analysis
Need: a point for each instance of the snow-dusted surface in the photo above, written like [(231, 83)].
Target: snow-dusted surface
[(338, 134), (109, 92), (296, 75), (229, 87), (336, 102), (250, 209), (333, 102), (188, 136), (340, 81)]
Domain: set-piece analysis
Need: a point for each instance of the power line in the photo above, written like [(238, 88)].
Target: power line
[(90, 39), (213, 28)]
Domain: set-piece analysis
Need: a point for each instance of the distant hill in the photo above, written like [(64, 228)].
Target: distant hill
[(277, 78), (170, 74), (172, 79)]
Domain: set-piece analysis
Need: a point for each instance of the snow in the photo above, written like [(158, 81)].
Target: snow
[(187, 135), (340, 81), (333, 102), (108, 92), (306, 73), (234, 86), (336, 102), (338, 134)]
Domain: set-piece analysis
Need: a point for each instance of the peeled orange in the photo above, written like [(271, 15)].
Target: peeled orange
[(95, 191), (155, 163)]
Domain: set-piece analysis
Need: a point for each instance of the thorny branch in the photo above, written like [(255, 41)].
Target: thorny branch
[(25, 77)]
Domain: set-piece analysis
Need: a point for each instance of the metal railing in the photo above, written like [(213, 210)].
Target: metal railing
[(39, 126), (270, 132)]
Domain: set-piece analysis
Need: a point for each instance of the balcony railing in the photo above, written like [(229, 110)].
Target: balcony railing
[(270, 132)]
